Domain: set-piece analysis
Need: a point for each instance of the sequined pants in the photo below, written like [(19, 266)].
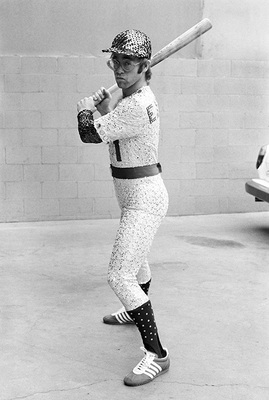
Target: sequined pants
[(143, 204)]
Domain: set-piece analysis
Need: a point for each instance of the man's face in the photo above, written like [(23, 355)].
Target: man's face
[(126, 79)]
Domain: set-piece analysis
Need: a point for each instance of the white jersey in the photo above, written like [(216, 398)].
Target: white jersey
[(132, 130)]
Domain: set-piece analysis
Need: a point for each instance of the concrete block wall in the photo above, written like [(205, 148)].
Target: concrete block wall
[(214, 118)]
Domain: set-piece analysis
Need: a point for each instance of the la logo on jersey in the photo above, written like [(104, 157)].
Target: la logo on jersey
[(152, 113)]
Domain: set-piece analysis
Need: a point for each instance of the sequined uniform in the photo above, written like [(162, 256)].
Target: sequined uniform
[(132, 132)]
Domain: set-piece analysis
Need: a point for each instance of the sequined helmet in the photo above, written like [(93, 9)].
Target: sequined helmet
[(132, 43)]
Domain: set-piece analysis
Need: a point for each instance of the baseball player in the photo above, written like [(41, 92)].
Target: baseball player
[(131, 130)]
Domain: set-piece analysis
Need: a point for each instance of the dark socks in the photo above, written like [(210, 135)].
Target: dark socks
[(145, 286), (143, 317)]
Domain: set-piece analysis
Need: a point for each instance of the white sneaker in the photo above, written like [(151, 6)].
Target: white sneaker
[(148, 369), (120, 317)]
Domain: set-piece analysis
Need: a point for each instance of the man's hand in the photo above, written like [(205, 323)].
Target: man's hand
[(102, 99), (86, 104)]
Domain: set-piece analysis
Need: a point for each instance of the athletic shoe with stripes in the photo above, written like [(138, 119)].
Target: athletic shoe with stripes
[(148, 369), (121, 317)]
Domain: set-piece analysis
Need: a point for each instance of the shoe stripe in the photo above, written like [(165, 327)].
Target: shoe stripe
[(152, 372), (123, 317)]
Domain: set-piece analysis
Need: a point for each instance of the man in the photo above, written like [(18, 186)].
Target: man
[(131, 130)]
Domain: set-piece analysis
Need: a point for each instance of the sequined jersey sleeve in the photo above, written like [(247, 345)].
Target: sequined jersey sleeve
[(86, 128)]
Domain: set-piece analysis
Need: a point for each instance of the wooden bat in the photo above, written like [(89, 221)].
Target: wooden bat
[(177, 44)]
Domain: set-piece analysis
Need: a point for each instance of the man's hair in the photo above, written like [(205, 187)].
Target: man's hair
[(148, 73)]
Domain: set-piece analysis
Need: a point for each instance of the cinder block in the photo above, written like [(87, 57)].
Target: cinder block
[(100, 66), (256, 120), (243, 203), (86, 65), (68, 101), (203, 137), (76, 172), (59, 155), (248, 103), (11, 137), (10, 64), (41, 173), (170, 151), (234, 154), (257, 86), (192, 120), (38, 65), (220, 137), (173, 187), (2, 83), (174, 170), (169, 120), (90, 153), (58, 83), (204, 154), (242, 170), (68, 65), (197, 85), (11, 101), (90, 83), (217, 170), (40, 137), (76, 207), (96, 189), (17, 83), (248, 69), (22, 119), (207, 205), (198, 187), (180, 67), (2, 155), (55, 190), (102, 171), (39, 101), (220, 188), (262, 135), (166, 85), (2, 190), (214, 68), (23, 190), (213, 103), (182, 137), (59, 119), (11, 211), (230, 86), (171, 102), (23, 155), (106, 208), (41, 208), (11, 173), (187, 154), (70, 137), (181, 205), (227, 120), (239, 137)]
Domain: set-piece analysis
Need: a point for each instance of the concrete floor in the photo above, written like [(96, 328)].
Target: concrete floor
[(209, 291)]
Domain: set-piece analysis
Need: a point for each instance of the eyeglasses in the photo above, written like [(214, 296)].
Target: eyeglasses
[(126, 65)]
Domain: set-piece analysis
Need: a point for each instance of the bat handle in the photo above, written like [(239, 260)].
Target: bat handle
[(113, 88)]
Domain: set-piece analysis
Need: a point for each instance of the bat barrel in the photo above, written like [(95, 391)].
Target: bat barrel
[(182, 41)]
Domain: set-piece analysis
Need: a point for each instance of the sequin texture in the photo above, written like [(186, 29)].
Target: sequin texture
[(134, 124)]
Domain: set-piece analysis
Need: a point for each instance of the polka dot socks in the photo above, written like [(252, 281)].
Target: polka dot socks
[(143, 317)]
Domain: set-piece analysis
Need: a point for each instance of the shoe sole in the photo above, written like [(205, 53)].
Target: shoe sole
[(144, 383), (116, 322)]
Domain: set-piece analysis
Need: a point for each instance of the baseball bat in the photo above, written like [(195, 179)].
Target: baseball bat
[(181, 41)]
